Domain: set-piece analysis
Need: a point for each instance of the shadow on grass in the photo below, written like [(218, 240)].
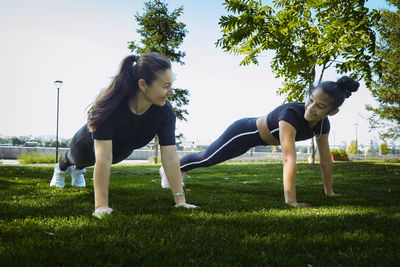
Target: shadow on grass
[(182, 237), (47, 204)]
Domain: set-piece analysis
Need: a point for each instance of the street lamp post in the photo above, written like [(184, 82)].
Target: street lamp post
[(356, 124), (334, 139), (58, 85)]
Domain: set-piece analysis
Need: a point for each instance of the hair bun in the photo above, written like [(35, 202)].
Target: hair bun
[(348, 85)]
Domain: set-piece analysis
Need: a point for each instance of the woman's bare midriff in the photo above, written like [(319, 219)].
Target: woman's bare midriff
[(264, 132)]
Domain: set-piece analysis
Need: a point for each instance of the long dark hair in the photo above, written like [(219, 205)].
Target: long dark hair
[(339, 90), (125, 85)]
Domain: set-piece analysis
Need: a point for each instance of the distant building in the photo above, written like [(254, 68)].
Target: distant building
[(7, 144), (32, 144)]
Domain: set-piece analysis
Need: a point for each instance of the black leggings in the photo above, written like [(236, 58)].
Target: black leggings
[(81, 152), (235, 141)]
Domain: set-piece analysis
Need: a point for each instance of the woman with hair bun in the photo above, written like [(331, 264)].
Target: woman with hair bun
[(283, 126), (125, 116)]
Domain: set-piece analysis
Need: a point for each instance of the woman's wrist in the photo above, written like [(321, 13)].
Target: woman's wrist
[(179, 199), (290, 198), (329, 192), (100, 206), (290, 203)]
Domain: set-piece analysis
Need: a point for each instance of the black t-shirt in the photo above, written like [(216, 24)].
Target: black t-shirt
[(293, 113), (129, 131)]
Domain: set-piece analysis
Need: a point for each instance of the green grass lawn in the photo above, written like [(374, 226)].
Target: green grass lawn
[(243, 220)]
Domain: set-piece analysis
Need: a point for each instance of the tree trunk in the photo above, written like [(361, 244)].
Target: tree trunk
[(156, 149), (311, 159)]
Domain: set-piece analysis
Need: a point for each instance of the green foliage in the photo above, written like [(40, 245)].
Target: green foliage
[(242, 220), (303, 35), (384, 148), (179, 100), (162, 33), (15, 141), (34, 157), (339, 152), (386, 89), (352, 148)]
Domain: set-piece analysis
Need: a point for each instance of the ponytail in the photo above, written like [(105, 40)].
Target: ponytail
[(125, 85)]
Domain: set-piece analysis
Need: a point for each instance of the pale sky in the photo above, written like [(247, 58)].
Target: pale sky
[(82, 44)]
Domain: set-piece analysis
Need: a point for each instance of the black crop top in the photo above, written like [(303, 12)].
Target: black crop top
[(129, 131), (293, 113)]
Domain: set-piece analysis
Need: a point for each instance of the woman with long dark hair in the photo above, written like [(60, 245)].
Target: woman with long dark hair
[(125, 116), (283, 126)]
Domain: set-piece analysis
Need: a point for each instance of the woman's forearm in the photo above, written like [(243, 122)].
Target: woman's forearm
[(326, 163), (287, 134), (289, 180), (327, 170), (174, 176), (101, 177)]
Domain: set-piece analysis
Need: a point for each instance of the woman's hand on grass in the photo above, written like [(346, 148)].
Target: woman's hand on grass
[(297, 204), (102, 211), (186, 205)]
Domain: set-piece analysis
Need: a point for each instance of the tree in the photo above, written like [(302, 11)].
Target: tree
[(352, 148), (162, 33), (384, 148), (50, 143), (16, 141), (386, 89), (306, 36)]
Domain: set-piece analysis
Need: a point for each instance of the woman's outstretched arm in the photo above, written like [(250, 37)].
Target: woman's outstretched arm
[(287, 135), (170, 162), (326, 163), (101, 175)]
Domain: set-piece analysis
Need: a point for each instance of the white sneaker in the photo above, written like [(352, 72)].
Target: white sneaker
[(77, 178), (58, 177), (164, 180)]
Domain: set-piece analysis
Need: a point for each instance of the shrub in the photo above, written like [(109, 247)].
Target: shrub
[(339, 152), (34, 157)]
